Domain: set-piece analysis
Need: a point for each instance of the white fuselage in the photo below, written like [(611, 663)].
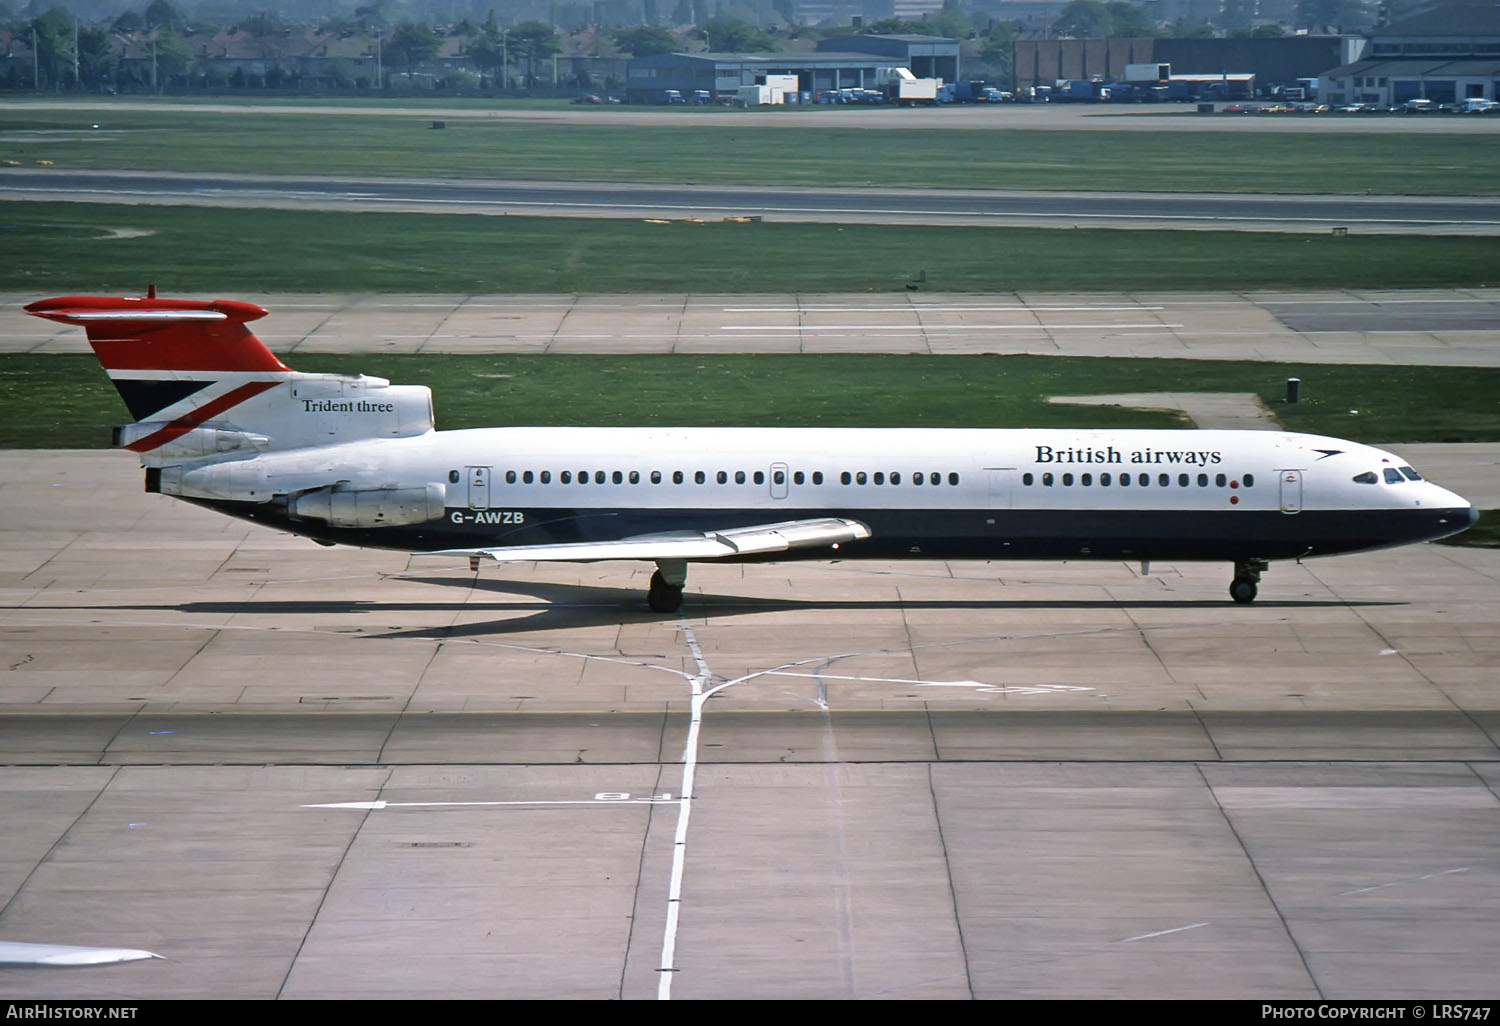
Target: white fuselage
[(986, 492)]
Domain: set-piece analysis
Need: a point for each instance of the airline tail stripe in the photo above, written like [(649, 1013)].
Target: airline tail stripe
[(182, 425), (147, 397), (186, 348)]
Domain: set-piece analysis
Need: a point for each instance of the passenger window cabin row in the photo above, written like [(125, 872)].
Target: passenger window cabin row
[(739, 477), (1126, 479)]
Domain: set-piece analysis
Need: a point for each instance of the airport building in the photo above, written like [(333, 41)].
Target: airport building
[(1448, 54), (1270, 62), (841, 63)]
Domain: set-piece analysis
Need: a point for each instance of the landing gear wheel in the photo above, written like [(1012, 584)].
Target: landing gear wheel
[(1247, 580), (1243, 589), (663, 597)]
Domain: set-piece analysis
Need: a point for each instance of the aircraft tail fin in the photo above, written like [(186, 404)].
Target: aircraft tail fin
[(199, 383), (160, 352)]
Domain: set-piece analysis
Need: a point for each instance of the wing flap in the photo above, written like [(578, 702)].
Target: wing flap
[(726, 544)]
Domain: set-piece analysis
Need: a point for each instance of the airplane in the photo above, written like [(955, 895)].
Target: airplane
[(222, 423)]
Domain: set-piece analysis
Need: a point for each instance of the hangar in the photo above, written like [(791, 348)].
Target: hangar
[(844, 62), (1449, 54)]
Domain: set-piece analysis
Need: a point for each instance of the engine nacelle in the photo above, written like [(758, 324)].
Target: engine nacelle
[(374, 507), (199, 441), (328, 408)]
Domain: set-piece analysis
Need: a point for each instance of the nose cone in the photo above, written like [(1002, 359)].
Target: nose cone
[(1455, 513)]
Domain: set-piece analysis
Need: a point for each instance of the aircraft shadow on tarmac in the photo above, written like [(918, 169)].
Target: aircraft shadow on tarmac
[(571, 606)]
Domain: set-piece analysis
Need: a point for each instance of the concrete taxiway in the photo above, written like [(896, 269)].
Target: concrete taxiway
[(1454, 327), (305, 772)]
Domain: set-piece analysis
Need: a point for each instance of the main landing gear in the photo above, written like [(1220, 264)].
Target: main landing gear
[(665, 593), (1245, 585)]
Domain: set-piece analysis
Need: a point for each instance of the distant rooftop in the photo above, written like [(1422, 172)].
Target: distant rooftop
[(1447, 19)]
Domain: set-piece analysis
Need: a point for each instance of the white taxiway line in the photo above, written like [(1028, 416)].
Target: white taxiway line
[(981, 686), (1409, 879), (667, 966), (940, 327), (919, 308), (661, 799), (1160, 933)]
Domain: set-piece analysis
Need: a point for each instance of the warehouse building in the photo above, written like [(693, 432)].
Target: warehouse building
[(843, 63), (1448, 54), (1271, 62)]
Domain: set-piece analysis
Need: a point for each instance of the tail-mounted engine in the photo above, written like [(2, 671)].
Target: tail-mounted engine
[(375, 507)]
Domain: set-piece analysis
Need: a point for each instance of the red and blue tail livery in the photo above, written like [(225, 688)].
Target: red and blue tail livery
[(221, 422), (178, 364)]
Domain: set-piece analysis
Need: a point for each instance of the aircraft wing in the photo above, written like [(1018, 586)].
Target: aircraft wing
[(684, 545)]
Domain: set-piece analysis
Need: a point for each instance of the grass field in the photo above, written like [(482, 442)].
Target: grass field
[(67, 402), (760, 151), (74, 248)]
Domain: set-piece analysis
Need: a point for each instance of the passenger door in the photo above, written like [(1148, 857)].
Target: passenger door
[(1291, 491), (778, 481), (479, 487)]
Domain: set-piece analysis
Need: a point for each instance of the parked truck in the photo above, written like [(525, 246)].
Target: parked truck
[(901, 86), (1079, 90), (1147, 73)]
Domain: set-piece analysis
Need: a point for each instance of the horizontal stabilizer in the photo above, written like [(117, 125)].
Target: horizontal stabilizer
[(687, 545), (83, 309), (168, 336)]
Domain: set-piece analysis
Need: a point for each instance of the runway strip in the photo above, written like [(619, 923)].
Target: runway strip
[(1269, 212)]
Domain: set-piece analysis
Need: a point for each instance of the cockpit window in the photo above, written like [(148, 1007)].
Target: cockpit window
[(1368, 477), (1393, 476), (1411, 475)]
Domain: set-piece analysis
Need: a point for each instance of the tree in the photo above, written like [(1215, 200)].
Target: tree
[(950, 23), (173, 57), (1083, 19), (999, 52), (161, 14), (412, 43), (488, 48), (1129, 21), (96, 57), (1236, 14), (52, 35), (730, 35), (533, 41), (1328, 14), (376, 13), (645, 40), (1183, 29)]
